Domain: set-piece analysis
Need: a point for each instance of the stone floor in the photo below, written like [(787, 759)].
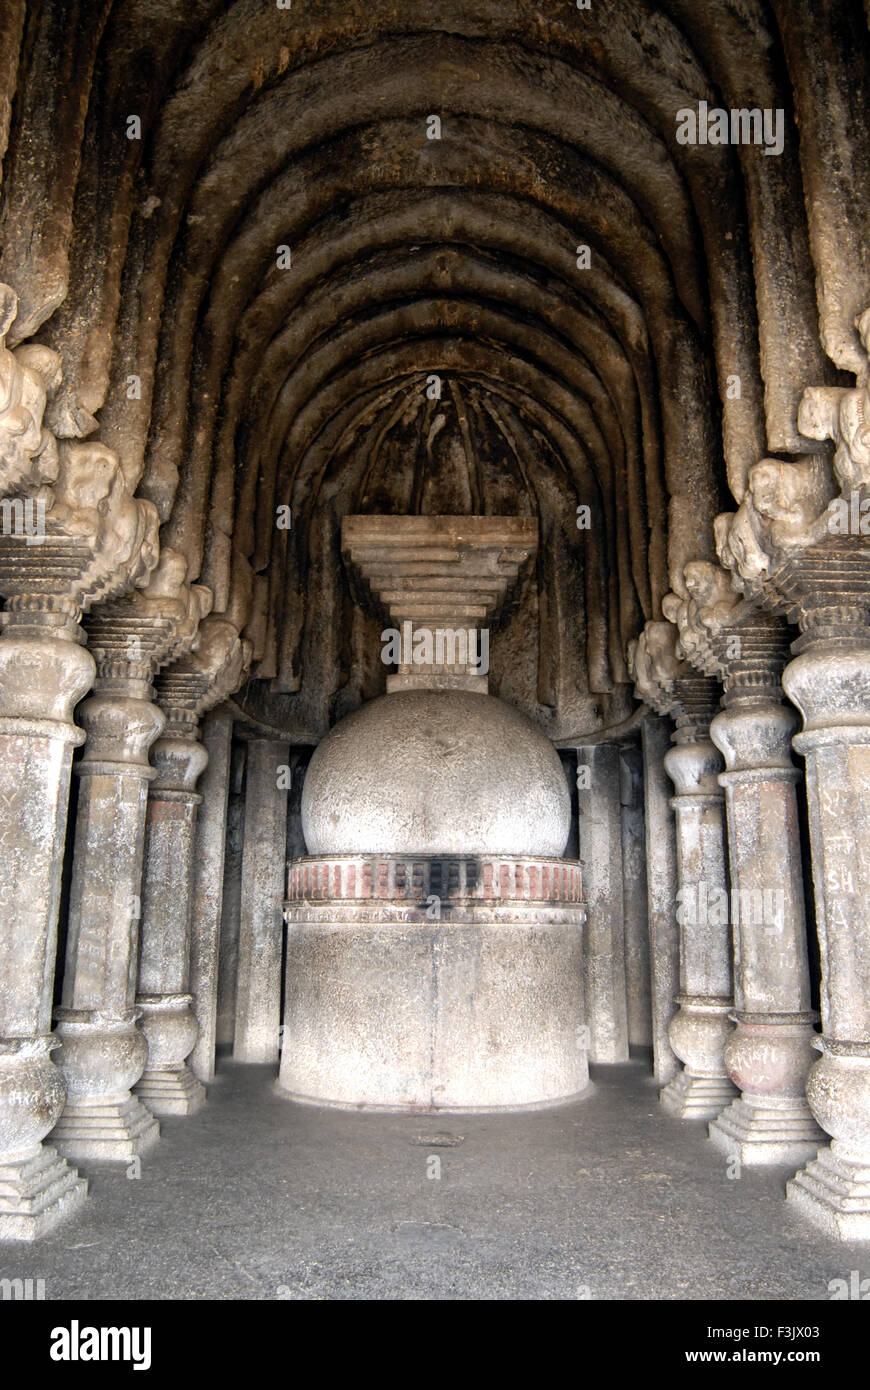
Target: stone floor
[(256, 1198)]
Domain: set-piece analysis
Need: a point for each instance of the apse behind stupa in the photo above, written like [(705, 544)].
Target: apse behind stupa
[(434, 944)]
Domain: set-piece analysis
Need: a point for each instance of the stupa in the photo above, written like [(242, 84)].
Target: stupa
[(434, 945)]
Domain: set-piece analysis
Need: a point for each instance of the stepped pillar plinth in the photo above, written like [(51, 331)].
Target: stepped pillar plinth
[(92, 541), (701, 1024), (727, 635), (104, 1052), (771, 1050), (789, 545), (194, 684)]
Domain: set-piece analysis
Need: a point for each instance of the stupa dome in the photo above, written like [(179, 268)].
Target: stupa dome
[(436, 772)]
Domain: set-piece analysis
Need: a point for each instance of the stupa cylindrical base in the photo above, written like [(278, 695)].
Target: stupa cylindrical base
[(434, 984)]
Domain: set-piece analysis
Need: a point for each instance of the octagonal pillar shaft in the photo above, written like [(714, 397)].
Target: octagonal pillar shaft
[(208, 883), (103, 1052), (258, 980), (42, 676), (700, 1028), (828, 682), (600, 837), (168, 1086), (770, 1052)]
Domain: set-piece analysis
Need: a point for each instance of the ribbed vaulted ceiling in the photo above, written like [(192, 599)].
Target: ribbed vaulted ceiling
[(609, 385)]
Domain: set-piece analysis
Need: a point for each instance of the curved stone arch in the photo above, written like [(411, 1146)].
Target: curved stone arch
[(471, 228), (301, 406), (691, 354), (271, 230), (619, 53), (618, 392), (294, 296), (731, 280), (440, 355), (578, 479), (627, 326)]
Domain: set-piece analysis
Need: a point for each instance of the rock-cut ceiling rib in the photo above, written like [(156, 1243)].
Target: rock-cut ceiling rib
[(286, 259)]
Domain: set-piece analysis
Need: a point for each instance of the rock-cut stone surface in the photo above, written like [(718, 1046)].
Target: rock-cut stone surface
[(436, 772)]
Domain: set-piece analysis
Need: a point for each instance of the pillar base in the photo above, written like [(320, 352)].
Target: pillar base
[(114, 1131), (767, 1131), (833, 1192), (690, 1097), (37, 1194), (174, 1092)]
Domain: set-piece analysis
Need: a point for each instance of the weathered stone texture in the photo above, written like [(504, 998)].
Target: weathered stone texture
[(258, 975), (321, 317)]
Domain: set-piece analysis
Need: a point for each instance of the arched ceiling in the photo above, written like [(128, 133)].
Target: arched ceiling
[(563, 384)]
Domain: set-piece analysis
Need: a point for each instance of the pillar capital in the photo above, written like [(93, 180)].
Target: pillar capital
[(728, 634), (134, 635), (694, 769), (755, 742), (666, 681), (29, 376), (179, 761), (800, 544), (655, 665), (81, 539), (120, 730), (831, 689), (800, 539), (41, 681), (212, 669)]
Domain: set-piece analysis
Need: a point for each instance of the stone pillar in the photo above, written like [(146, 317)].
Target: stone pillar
[(168, 1086), (228, 956), (197, 682), (258, 981), (91, 540), (770, 1052), (103, 1052), (208, 880), (727, 634), (800, 547), (44, 671), (700, 1028), (661, 879), (829, 683), (600, 845), (634, 896)]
